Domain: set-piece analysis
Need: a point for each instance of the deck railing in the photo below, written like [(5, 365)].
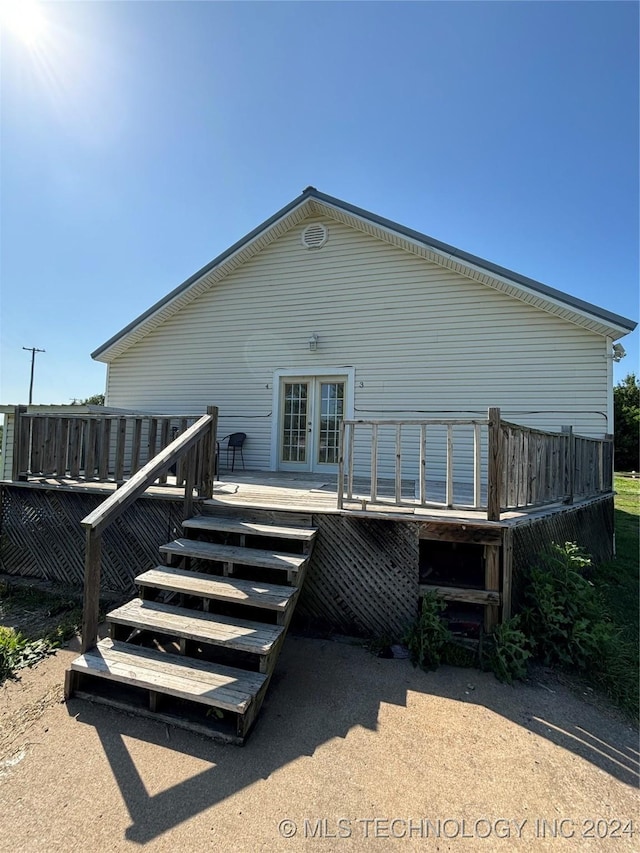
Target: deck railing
[(196, 449), (407, 443), (100, 446), (541, 468), (481, 464)]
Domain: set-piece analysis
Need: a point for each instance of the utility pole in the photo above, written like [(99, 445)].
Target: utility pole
[(33, 351)]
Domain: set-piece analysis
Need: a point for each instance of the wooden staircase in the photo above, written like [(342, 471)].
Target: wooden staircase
[(198, 647)]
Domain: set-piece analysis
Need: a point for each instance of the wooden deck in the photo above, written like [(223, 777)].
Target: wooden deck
[(297, 493)]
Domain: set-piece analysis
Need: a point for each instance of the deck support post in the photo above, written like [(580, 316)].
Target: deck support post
[(507, 573), (495, 463), (491, 583)]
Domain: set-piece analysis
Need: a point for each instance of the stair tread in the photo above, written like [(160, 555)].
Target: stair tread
[(234, 554), (253, 593), (229, 631), (199, 681), (236, 525)]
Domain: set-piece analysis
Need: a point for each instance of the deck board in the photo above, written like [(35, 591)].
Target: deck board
[(230, 632), (235, 525), (199, 681), (252, 593), (234, 554)]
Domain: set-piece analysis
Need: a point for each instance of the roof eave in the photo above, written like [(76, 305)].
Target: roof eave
[(613, 323)]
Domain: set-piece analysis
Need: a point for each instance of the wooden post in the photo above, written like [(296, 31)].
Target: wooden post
[(507, 572), (570, 445), (608, 485), (492, 584), (90, 449), (180, 463), (63, 445), (212, 439), (189, 481), (18, 462), (118, 472), (398, 464), (423, 464), (352, 431), (165, 426), (477, 466), (135, 446), (75, 448), (104, 449), (91, 604), (494, 473), (50, 447), (449, 496), (35, 463), (151, 439), (340, 483), (374, 463)]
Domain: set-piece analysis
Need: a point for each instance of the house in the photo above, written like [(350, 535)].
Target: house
[(417, 419), (328, 311)]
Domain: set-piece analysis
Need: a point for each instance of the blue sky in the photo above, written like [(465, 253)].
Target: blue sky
[(139, 140)]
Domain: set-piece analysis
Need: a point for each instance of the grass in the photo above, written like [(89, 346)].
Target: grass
[(617, 583), (618, 578)]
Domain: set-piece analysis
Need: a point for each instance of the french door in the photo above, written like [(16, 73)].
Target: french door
[(311, 412)]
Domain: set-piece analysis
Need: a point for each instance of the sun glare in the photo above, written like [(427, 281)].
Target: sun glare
[(24, 19)]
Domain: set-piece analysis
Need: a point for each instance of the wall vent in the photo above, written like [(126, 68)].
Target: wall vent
[(314, 236)]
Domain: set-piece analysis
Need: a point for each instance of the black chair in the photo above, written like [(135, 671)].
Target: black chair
[(234, 443)]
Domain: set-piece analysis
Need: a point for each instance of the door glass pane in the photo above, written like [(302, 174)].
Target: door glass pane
[(331, 414), (294, 428)]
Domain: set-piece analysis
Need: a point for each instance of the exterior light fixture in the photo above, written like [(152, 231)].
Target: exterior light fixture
[(619, 352), (313, 342)]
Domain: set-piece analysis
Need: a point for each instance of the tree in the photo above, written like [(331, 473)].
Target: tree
[(95, 400), (626, 407)]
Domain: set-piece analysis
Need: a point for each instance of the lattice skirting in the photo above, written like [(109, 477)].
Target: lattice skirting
[(591, 526), (41, 536), (363, 576)]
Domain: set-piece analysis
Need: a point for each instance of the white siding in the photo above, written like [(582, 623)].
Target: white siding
[(423, 341), (7, 448)]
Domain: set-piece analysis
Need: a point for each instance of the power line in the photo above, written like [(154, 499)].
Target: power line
[(33, 351)]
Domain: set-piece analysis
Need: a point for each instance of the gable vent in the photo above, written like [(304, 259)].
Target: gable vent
[(314, 236)]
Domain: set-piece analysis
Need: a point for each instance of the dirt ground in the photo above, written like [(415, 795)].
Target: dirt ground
[(351, 752)]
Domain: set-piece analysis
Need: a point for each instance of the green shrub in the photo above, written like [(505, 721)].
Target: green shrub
[(562, 608), (568, 624), (506, 651), (428, 636), (12, 645), (17, 652)]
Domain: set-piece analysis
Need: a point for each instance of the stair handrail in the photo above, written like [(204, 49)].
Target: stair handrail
[(113, 506)]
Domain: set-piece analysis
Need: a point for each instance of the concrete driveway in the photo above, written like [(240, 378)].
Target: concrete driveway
[(351, 752)]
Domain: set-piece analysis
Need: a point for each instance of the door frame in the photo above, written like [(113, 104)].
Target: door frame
[(348, 374)]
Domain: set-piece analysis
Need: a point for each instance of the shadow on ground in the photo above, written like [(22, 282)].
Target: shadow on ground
[(321, 690)]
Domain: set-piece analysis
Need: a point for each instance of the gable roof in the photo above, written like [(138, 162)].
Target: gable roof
[(311, 202)]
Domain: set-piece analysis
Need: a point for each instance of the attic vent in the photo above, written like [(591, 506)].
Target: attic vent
[(314, 236)]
